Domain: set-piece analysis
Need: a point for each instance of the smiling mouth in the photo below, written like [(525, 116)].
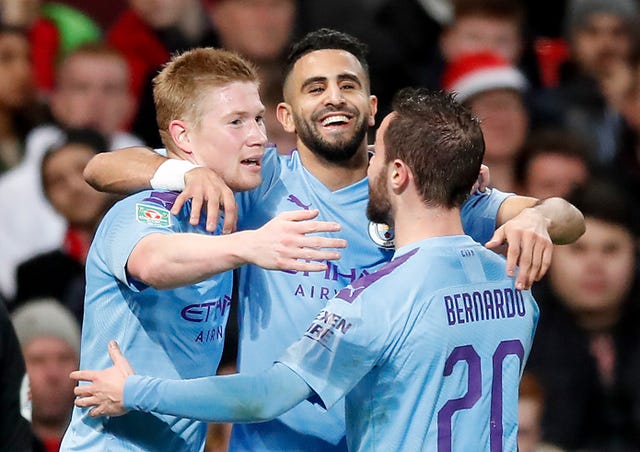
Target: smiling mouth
[(336, 120)]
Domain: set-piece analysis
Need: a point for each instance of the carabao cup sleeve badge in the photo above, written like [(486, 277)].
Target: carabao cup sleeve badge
[(381, 234), (155, 216)]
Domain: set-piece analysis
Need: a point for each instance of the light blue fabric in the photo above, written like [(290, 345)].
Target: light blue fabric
[(386, 343), (229, 398), (428, 350), (175, 333), (276, 307)]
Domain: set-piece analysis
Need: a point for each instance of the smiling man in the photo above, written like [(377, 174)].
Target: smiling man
[(328, 104), (159, 284), (412, 380)]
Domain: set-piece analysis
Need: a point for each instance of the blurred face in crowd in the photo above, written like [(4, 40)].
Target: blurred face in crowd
[(16, 82), (554, 174), (328, 105), (593, 276), (258, 29), (601, 42), (230, 136), (504, 122), (529, 421), (159, 13), (66, 189), (477, 33), (49, 361), (93, 92)]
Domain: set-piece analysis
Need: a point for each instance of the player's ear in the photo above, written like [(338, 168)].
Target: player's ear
[(285, 117), (179, 133), (399, 175), (373, 109)]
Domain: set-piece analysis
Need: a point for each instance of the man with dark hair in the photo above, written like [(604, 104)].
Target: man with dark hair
[(552, 162), (390, 341), (328, 104)]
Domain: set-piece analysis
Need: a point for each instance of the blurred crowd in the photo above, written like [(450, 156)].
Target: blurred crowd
[(556, 85)]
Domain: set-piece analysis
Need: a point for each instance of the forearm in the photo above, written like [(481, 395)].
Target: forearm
[(232, 398), (565, 223), (166, 261), (123, 171)]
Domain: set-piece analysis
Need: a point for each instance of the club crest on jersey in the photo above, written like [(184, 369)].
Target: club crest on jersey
[(381, 234), (155, 216)]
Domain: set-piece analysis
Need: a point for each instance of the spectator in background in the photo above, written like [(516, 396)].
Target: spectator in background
[(587, 341), (625, 82), (530, 409), (467, 26), (15, 432), (479, 25), (552, 162), (261, 31), (59, 273), (92, 91), (19, 109), (50, 339), (149, 31), (530, 405), (493, 89), (54, 29), (600, 36), (147, 34)]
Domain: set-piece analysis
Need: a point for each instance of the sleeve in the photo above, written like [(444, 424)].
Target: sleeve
[(480, 211), (342, 344), (230, 398), (123, 227)]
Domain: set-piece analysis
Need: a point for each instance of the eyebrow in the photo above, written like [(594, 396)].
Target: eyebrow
[(341, 77), (245, 113)]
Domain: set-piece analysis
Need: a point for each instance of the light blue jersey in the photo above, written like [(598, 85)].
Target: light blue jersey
[(428, 351), (176, 333), (276, 307)]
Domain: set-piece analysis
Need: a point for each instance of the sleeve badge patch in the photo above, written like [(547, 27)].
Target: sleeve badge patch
[(155, 216)]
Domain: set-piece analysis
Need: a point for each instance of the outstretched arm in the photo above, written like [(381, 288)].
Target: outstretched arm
[(166, 261), (231, 398), (529, 228), (132, 169)]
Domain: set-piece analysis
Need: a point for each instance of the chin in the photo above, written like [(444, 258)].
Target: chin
[(245, 185)]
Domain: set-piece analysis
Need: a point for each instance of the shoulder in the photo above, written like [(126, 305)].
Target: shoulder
[(491, 195), (371, 283)]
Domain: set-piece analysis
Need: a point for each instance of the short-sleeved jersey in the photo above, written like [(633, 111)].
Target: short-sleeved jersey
[(428, 351), (177, 333), (277, 306)]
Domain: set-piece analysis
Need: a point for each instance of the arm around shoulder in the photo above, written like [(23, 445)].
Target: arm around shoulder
[(565, 223), (123, 171)]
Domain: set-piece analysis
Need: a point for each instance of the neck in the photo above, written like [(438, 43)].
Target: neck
[(415, 222), (336, 175), (598, 321)]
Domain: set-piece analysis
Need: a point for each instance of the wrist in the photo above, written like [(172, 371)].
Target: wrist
[(170, 175)]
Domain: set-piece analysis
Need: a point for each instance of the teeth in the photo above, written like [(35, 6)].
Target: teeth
[(334, 119), (251, 162)]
